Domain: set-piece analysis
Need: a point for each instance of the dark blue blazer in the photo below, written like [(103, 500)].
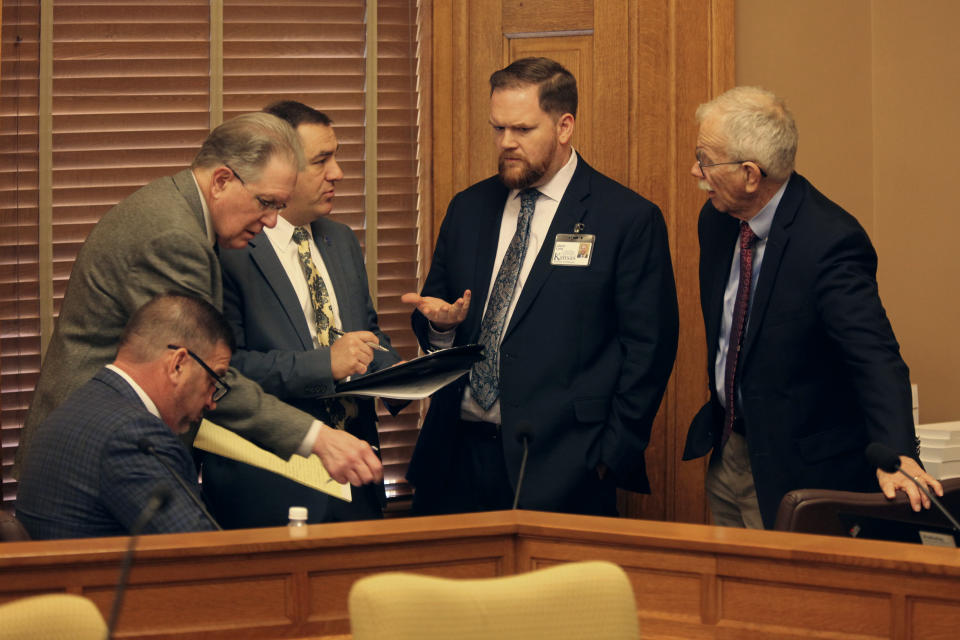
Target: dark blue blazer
[(274, 348), (820, 373), (85, 475), (588, 350)]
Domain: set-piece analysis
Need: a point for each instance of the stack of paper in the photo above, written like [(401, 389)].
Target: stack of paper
[(940, 449)]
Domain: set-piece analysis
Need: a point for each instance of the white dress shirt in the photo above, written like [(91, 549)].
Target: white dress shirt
[(760, 225), (545, 209), (281, 238)]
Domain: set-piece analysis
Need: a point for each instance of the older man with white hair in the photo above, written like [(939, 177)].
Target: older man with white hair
[(804, 368)]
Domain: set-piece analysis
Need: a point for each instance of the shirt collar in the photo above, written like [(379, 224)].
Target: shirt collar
[(144, 398), (281, 235), (207, 220), (557, 185), (760, 224)]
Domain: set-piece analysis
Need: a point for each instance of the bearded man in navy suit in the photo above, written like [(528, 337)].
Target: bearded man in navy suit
[(292, 351), (565, 277), (804, 369)]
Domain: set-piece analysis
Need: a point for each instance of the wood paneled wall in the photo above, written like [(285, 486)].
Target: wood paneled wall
[(642, 68)]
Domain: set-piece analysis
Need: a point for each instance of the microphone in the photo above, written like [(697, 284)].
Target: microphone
[(146, 447), (524, 435), (888, 460), (159, 498)]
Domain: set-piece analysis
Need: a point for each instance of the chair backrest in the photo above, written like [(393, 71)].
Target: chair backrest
[(576, 600), (872, 515), (51, 617), (10, 528)]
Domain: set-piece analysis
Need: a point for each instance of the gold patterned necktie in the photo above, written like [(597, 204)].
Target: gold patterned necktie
[(340, 410)]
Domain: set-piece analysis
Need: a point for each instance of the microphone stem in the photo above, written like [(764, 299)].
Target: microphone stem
[(145, 516), (190, 493), (934, 500), (523, 468)]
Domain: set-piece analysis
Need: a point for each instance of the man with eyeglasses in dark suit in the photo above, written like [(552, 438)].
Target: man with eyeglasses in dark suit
[(100, 456)]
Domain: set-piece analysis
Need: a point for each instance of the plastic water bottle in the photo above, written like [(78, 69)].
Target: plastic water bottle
[(298, 522)]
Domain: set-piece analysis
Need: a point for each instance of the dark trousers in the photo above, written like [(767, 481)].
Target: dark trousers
[(479, 481)]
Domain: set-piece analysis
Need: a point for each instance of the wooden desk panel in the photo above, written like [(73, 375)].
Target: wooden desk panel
[(691, 581)]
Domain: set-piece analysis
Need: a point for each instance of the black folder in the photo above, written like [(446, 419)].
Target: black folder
[(443, 361)]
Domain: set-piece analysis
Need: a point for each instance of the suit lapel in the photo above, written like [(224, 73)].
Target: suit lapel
[(572, 209), (722, 245), (772, 256), (265, 258), (491, 210), (332, 257)]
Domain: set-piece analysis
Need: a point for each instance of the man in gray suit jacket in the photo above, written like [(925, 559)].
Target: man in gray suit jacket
[(161, 239), (287, 347)]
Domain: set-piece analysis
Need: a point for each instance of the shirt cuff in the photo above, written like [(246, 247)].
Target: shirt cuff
[(441, 339), (306, 447)]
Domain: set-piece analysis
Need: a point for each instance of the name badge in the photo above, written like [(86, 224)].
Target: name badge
[(573, 249)]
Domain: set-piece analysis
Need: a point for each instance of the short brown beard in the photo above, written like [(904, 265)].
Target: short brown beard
[(528, 177)]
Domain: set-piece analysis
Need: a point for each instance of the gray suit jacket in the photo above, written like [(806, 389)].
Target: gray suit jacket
[(152, 242)]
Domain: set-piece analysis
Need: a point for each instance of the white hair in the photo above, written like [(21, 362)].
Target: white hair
[(757, 126)]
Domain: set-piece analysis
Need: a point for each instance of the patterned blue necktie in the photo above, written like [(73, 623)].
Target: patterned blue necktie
[(485, 375)]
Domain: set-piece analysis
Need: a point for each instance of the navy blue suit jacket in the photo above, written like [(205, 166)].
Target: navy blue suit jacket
[(86, 476), (274, 347), (587, 352), (820, 373)]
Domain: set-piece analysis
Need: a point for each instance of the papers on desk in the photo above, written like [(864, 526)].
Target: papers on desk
[(307, 471), (415, 379)]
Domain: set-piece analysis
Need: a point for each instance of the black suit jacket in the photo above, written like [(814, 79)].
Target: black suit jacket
[(587, 353), (275, 349), (820, 373)]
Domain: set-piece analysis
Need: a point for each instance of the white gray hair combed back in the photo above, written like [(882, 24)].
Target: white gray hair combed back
[(248, 142), (757, 126)]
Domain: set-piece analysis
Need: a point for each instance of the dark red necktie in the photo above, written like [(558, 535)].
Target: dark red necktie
[(740, 307)]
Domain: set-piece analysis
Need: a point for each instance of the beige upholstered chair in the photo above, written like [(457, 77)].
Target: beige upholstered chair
[(51, 617), (577, 600)]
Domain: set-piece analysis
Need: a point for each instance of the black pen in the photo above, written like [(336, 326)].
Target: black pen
[(372, 345)]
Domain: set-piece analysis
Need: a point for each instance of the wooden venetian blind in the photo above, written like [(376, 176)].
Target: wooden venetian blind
[(131, 101), (397, 210), (130, 104), (19, 226)]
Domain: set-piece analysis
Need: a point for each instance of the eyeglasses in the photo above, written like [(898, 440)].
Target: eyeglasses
[(717, 164), (220, 385), (263, 202)]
